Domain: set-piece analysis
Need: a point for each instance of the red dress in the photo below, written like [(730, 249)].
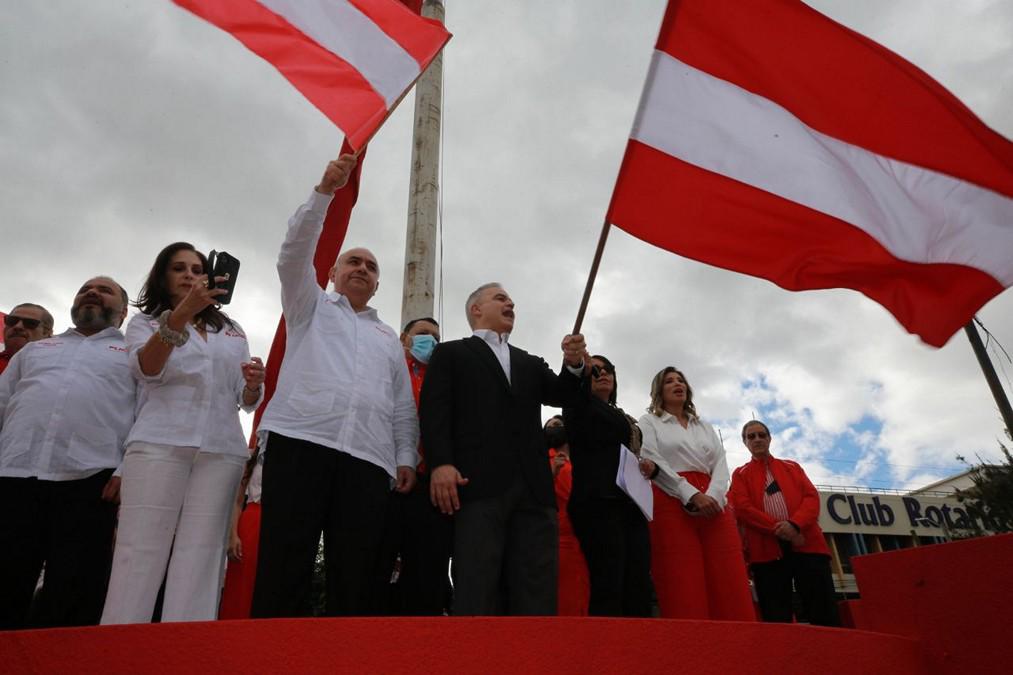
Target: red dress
[(574, 582)]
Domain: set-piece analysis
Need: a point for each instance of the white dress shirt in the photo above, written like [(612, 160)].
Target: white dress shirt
[(500, 346), (344, 383), (674, 449), (499, 343), (194, 401), (66, 405)]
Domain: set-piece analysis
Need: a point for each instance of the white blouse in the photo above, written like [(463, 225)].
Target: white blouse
[(674, 449), (194, 401)]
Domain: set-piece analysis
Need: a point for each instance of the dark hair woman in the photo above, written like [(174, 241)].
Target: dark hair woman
[(696, 554), (185, 453), (610, 527)]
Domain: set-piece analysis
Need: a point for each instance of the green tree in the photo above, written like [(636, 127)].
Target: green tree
[(990, 500)]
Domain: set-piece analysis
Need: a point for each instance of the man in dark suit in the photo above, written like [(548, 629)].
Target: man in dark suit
[(482, 429)]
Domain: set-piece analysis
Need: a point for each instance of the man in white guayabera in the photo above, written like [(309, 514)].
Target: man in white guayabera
[(339, 430)]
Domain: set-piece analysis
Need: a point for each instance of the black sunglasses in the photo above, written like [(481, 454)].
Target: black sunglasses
[(12, 320), (598, 371), (756, 434)]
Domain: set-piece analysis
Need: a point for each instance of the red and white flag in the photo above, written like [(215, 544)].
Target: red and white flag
[(771, 140), (352, 59)]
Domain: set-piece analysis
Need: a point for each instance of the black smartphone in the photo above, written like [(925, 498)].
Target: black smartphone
[(223, 265), (773, 488)]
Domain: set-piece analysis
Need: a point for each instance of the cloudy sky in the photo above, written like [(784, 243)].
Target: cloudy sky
[(127, 125)]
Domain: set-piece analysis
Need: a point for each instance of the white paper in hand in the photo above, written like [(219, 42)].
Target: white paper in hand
[(632, 482)]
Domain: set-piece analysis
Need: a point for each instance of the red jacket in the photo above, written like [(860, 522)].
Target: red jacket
[(746, 497)]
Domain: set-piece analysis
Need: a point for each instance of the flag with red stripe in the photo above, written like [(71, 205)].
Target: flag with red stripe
[(352, 59), (772, 141)]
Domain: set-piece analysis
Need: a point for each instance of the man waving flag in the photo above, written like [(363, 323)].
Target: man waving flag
[(773, 141), (352, 59)]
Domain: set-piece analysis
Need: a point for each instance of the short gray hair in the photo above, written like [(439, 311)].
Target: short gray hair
[(473, 298), (47, 318)]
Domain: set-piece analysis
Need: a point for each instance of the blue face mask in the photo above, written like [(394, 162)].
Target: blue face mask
[(422, 347)]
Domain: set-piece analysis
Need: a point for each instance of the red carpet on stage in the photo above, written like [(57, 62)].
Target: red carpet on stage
[(458, 645), (946, 608)]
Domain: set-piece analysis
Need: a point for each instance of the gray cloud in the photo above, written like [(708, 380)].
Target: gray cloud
[(127, 125)]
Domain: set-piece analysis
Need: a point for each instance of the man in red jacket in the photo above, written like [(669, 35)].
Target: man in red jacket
[(778, 509)]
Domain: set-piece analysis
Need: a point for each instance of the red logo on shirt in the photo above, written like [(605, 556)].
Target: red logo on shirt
[(234, 333), (117, 349)]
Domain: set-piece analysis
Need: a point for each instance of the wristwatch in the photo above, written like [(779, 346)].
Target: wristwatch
[(174, 338)]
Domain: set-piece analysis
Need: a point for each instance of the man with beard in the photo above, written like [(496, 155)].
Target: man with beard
[(25, 323), (66, 405)]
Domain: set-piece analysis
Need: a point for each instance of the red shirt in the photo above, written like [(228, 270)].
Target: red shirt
[(417, 372), (563, 483), (800, 496), (5, 358)]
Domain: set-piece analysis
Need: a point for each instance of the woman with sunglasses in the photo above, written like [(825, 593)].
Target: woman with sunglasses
[(779, 510), (185, 454), (610, 527), (696, 552)]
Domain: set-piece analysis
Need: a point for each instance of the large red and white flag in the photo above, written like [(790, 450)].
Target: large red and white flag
[(352, 59), (771, 140)]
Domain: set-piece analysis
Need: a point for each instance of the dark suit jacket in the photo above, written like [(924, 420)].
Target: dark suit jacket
[(489, 428), (595, 431)]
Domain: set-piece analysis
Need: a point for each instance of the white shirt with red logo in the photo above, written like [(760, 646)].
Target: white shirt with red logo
[(344, 383), (195, 401), (66, 405)]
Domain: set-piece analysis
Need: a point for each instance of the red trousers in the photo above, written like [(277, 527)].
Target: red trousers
[(241, 574), (574, 581), (697, 564)]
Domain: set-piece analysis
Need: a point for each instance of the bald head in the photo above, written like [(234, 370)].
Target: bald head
[(356, 275)]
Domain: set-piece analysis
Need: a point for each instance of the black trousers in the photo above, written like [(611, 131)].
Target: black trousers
[(424, 539), (66, 526), (616, 543), (506, 555), (813, 581), (308, 489)]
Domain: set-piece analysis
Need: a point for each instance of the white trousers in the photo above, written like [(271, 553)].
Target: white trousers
[(172, 500)]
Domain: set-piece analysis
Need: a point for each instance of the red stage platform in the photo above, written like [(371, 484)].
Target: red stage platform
[(936, 609)]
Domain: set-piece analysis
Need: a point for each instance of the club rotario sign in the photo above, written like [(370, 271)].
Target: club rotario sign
[(892, 514)]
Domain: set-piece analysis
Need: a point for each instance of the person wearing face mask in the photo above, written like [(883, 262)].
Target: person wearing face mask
[(573, 579), (186, 451), (25, 323), (779, 509), (66, 405), (412, 576), (696, 552)]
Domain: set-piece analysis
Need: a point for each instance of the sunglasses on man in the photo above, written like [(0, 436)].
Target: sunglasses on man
[(12, 320), (756, 434)]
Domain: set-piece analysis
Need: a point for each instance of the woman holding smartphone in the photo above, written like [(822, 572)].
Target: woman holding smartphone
[(185, 454)]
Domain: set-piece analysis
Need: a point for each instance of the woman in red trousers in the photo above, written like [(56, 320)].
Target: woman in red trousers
[(574, 584), (696, 552), (244, 538)]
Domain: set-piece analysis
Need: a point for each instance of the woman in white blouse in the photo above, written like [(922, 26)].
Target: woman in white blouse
[(696, 554), (185, 453)]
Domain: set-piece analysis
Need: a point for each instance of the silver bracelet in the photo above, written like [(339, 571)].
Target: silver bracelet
[(175, 338)]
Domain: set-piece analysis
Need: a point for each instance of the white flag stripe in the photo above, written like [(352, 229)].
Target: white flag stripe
[(918, 215), (342, 29)]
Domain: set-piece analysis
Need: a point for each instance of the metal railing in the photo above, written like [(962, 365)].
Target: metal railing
[(855, 489)]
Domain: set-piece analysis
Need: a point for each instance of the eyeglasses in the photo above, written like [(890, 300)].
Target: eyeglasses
[(598, 371), (12, 320), (757, 434)]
